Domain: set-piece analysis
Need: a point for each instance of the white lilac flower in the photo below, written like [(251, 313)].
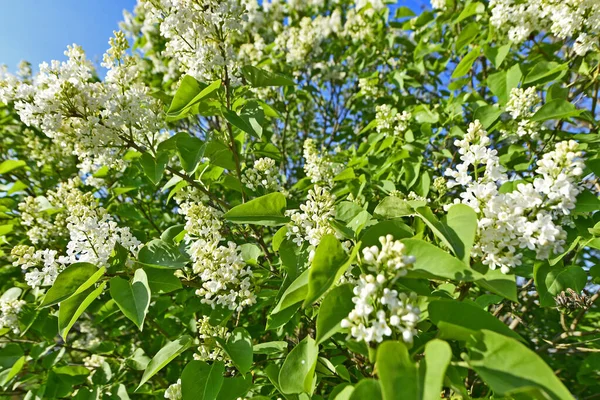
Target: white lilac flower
[(9, 313), (379, 310), (313, 221), (390, 121), (529, 217), (565, 19), (317, 165), (226, 279), (264, 174), (173, 392), (92, 232), (389, 259), (93, 362), (96, 121), (209, 349)]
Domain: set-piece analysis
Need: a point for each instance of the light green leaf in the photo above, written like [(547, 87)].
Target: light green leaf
[(200, 381), (470, 10), (551, 280), (505, 365), (71, 309), (458, 320), (467, 34), (158, 253), (298, 370), (74, 279), (487, 115), (433, 262), (189, 93), (336, 306), (165, 356), (432, 369), (239, 348), (266, 210), (397, 372), (9, 165), (556, 109), (462, 220), (190, 150), (294, 294), (587, 202), (162, 280), (132, 298), (260, 78), (328, 265), (466, 63), (154, 167), (366, 389)]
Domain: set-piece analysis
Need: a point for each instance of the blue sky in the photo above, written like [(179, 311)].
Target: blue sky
[(40, 30)]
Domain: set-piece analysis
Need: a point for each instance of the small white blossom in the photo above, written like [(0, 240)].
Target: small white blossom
[(173, 392)]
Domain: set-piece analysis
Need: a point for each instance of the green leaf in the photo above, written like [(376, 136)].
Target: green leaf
[(397, 372), (162, 280), (398, 230), (462, 220), (458, 320), (165, 356), (266, 210), (9, 165), (154, 167), (587, 202), (250, 121), (190, 150), (466, 63), (433, 262), (551, 280), (132, 298), (239, 349), (328, 265), (158, 253), (235, 388), (189, 93), (393, 207), (366, 389), (545, 71), (556, 109), (467, 34), (438, 355), (298, 370), (260, 78), (501, 83), (487, 115), (496, 54), (270, 347), (470, 10), (294, 294), (200, 381), (457, 232), (336, 306), (74, 279), (71, 309), (505, 365)]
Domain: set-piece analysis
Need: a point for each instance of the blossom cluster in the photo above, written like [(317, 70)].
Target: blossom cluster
[(9, 313), (312, 221), (381, 311), (198, 34), (264, 174), (389, 120), (318, 165), (529, 217), (209, 349), (93, 361), (173, 392), (96, 120), (93, 235), (226, 279), (522, 105), (566, 19)]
